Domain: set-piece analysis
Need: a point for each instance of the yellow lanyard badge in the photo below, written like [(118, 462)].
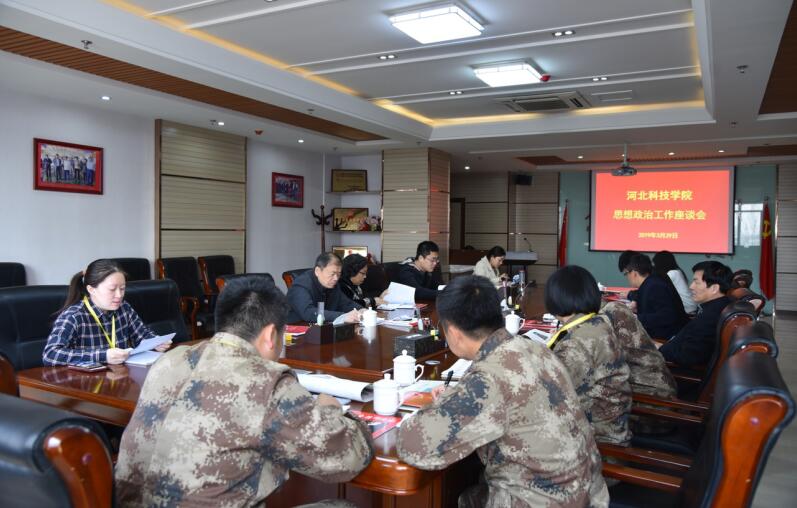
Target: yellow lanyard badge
[(112, 338), (566, 327)]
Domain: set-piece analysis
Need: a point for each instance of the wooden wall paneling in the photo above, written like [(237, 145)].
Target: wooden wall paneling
[(539, 273), (405, 211), (787, 181), (439, 210), (188, 203), (485, 241), (536, 218), (439, 171), (405, 169), (544, 188), (544, 245), (485, 217), (479, 187), (786, 239), (787, 258), (398, 246), (441, 239), (204, 243)]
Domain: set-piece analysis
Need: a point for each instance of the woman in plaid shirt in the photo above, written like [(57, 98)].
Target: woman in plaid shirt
[(96, 325)]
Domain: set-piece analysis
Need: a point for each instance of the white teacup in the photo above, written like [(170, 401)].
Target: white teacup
[(386, 396), (369, 317), (404, 369), (512, 323)]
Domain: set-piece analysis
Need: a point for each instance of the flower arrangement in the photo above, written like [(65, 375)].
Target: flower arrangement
[(372, 223)]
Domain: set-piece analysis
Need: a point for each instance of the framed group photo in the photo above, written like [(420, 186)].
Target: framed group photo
[(67, 167), (287, 190)]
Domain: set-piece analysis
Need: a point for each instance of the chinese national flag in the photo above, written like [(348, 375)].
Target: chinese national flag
[(766, 269), (561, 254)]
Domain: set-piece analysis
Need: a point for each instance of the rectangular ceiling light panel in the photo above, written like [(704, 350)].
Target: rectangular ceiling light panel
[(518, 73), (437, 24)]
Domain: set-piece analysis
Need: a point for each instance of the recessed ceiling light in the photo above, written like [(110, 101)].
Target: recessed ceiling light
[(390, 56), (455, 92), (670, 153), (604, 78), (560, 33), (106, 97), (436, 24), (569, 32), (467, 168), (301, 141), (220, 124), (721, 150), (580, 157), (508, 74)]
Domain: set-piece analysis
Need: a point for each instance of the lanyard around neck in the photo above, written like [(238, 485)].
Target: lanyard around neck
[(571, 324), (112, 338)]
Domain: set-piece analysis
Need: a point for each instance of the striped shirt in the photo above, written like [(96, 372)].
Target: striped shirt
[(76, 337)]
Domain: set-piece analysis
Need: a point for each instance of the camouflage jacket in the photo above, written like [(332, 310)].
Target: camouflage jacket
[(649, 373), (217, 425), (517, 408), (598, 369)]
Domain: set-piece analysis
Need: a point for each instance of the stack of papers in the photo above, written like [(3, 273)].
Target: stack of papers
[(459, 368), (538, 336), (400, 294), (143, 354)]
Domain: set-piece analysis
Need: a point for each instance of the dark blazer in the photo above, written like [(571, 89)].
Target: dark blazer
[(355, 293), (425, 283), (695, 343), (306, 292), (657, 309)]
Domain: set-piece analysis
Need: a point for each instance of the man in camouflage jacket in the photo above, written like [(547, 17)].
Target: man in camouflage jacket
[(222, 423), (515, 407)]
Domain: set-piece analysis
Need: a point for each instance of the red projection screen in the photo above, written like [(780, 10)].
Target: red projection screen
[(679, 210)]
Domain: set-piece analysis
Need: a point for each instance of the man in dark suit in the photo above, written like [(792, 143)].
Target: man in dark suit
[(320, 284), (695, 343), (657, 304)]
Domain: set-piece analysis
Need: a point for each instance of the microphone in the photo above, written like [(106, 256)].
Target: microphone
[(527, 243)]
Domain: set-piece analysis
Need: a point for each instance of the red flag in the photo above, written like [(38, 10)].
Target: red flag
[(561, 254), (766, 271)]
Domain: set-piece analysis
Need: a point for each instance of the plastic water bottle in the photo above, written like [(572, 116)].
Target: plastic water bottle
[(319, 317)]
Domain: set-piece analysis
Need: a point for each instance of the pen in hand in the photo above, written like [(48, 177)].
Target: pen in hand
[(448, 378)]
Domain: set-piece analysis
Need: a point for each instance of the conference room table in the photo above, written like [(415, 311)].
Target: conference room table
[(110, 396)]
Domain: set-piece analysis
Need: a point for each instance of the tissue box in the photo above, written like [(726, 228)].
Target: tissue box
[(418, 344), (327, 333)]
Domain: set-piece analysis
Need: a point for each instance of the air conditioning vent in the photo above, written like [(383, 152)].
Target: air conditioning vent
[(545, 102)]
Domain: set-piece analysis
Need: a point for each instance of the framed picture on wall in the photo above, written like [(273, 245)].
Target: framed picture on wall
[(349, 180), (67, 167), (348, 219), (345, 250), (287, 190)]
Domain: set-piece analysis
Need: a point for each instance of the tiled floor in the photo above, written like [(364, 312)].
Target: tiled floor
[(778, 486)]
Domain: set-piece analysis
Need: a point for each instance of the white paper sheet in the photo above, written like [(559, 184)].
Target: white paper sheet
[(144, 359), (400, 294), (459, 368), (538, 335), (335, 386), (150, 344)]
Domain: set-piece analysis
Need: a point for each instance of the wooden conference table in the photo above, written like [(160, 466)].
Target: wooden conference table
[(110, 396)]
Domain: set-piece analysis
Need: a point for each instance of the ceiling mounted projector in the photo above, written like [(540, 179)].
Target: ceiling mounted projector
[(625, 168)]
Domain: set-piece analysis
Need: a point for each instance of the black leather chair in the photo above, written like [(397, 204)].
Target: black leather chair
[(224, 279), (376, 281), (26, 317), (391, 271), (50, 457), (135, 268), (750, 408), (12, 274), (157, 302), (213, 267), (289, 276), (195, 305)]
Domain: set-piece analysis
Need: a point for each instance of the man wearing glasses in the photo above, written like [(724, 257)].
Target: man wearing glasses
[(420, 271)]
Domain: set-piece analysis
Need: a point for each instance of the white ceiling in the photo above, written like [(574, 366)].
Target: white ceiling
[(676, 60)]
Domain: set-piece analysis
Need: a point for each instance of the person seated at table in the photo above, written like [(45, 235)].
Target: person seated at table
[(622, 262), (353, 274), (488, 266), (321, 285), (657, 303), (665, 266), (222, 423), (515, 406), (589, 349), (694, 344), (419, 272), (96, 324)]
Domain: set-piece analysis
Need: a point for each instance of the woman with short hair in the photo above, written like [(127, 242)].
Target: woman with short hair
[(665, 265), (352, 276), (487, 266)]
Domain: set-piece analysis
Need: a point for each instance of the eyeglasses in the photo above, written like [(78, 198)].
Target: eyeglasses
[(434, 260)]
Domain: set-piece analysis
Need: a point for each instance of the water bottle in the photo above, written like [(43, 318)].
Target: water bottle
[(319, 316)]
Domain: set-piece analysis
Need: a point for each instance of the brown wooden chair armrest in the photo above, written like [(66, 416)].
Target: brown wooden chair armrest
[(686, 377), (642, 456), (670, 403), (84, 463), (658, 481), (659, 341), (193, 301), (666, 414)]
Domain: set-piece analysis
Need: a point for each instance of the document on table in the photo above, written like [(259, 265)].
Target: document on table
[(538, 335), (143, 359), (335, 386), (400, 294), (459, 368), (150, 344)]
